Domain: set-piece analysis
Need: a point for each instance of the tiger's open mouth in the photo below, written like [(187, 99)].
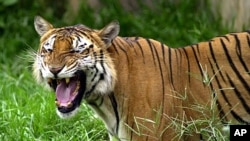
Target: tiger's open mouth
[(69, 91)]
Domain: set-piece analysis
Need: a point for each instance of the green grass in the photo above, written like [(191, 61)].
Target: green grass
[(27, 110)]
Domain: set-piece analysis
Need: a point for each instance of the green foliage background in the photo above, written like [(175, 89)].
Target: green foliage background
[(27, 110)]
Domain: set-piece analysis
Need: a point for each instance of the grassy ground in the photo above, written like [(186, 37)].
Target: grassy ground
[(27, 110)]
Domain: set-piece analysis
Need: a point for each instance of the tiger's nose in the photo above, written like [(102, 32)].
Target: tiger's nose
[(55, 70)]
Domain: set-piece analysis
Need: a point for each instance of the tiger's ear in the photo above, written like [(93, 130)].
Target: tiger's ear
[(109, 32), (41, 25)]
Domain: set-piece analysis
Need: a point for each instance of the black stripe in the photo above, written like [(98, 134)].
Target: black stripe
[(243, 81), (96, 72), (238, 118), (93, 87), (91, 46), (221, 112), (186, 54), (90, 91), (101, 76), (139, 45), (170, 66), (95, 57), (162, 79), (177, 59), (53, 84), (113, 45), (215, 60), (82, 32), (198, 49), (237, 42), (78, 36), (223, 95), (159, 63), (226, 37), (93, 39), (163, 52), (122, 105), (214, 73), (198, 63), (239, 53), (131, 44), (131, 132), (115, 108), (101, 62), (248, 40), (201, 138), (100, 56), (161, 73), (151, 48), (122, 49), (86, 51), (238, 94)]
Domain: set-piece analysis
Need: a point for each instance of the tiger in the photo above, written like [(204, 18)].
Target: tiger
[(140, 87)]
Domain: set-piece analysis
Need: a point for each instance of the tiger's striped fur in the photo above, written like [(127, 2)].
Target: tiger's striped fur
[(138, 86)]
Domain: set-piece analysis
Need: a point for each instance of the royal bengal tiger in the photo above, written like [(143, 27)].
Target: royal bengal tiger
[(139, 87)]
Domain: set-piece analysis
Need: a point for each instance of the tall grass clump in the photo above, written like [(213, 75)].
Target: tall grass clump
[(210, 126)]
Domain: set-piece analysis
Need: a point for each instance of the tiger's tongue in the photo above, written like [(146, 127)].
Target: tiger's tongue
[(64, 92)]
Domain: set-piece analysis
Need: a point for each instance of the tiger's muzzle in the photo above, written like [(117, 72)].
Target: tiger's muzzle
[(69, 91)]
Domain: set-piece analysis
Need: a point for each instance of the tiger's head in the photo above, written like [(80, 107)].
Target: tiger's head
[(74, 62)]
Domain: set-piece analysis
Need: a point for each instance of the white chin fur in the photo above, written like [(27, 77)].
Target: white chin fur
[(66, 115)]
